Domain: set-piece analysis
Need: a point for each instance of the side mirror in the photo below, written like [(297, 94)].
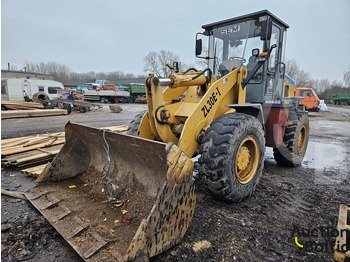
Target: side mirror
[(266, 29), (198, 47)]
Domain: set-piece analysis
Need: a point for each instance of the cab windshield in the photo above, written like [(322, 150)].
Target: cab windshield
[(232, 45)]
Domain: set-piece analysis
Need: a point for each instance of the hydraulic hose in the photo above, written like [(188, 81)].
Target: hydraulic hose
[(201, 73)]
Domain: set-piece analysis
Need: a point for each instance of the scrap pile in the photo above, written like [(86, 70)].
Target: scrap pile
[(34, 152)]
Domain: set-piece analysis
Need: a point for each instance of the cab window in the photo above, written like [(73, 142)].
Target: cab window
[(275, 36), (305, 93), (53, 90)]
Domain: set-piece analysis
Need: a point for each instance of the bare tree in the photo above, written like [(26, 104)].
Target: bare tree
[(152, 64), (156, 63), (59, 72), (324, 84), (64, 74), (300, 77), (347, 79)]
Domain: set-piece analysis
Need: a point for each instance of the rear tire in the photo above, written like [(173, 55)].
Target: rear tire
[(232, 156), (134, 125), (295, 138)]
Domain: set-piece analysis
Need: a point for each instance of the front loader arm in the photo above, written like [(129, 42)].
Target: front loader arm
[(155, 100), (152, 126), (224, 91), (198, 112)]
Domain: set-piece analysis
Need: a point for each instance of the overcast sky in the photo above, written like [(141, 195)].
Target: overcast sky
[(113, 35)]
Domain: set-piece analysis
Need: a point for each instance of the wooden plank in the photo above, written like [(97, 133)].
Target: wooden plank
[(31, 153), (32, 113), (21, 149), (15, 144), (45, 151), (26, 159), (121, 128), (20, 103), (8, 141), (31, 158), (13, 194), (35, 162), (34, 171), (37, 155), (15, 154), (40, 141), (24, 105), (343, 229), (16, 107)]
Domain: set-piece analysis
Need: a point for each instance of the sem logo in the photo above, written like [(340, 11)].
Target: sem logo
[(231, 30)]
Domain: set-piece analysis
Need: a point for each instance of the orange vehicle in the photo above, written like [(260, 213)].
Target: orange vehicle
[(310, 101)]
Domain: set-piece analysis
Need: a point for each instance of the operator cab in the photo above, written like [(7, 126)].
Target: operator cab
[(240, 41)]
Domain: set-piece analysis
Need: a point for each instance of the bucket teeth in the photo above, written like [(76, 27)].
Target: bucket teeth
[(172, 212)]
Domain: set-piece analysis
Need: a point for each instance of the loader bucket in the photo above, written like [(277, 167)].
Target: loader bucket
[(116, 197)]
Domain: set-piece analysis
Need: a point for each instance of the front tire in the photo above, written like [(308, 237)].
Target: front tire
[(295, 138), (232, 156), (135, 124)]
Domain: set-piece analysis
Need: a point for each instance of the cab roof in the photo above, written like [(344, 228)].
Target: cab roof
[(243, 18)]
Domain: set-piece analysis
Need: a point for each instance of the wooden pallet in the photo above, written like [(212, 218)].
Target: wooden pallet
[(344, 230)]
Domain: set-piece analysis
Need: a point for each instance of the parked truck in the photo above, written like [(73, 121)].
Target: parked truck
[(341, 99), (136, 90), (105, 96), (87, 86), (27, 89), (311, 102)]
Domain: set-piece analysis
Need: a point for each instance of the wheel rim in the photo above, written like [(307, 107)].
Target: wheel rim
[(302, 138), (247, 159)]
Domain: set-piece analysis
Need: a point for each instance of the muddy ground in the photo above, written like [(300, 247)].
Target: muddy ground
[(257, 229)]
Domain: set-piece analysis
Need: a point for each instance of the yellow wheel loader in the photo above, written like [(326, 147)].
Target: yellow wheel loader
[(118, 197)]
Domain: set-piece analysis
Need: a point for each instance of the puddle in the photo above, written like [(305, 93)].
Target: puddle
[(326, 155), (331, 161)]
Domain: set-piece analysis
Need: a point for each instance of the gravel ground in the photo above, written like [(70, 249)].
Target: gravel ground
[(257, 229)]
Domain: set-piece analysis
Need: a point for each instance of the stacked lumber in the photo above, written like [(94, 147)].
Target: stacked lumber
[(21, 105), (32, 113), (25, 151), (33, 152)]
